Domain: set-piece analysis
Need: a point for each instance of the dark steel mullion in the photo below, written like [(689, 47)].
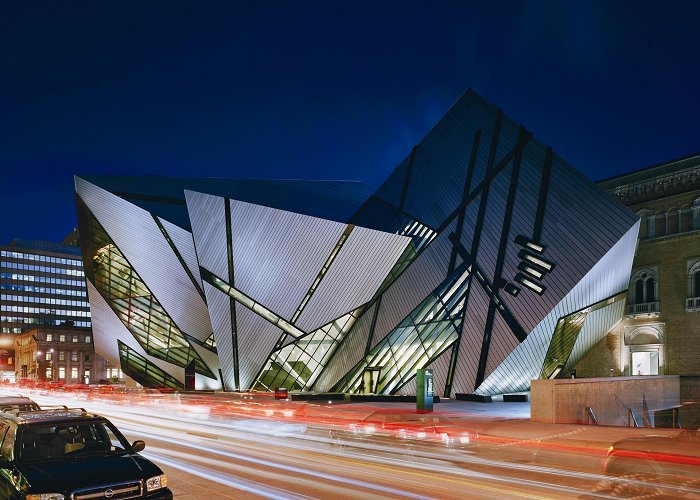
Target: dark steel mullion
[(465, 193), (500, 259), (407, 179), (179, 257), (544, 189), (482, 188), (482, 185), (232, 302)]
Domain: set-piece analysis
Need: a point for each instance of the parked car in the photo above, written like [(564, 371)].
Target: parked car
[(20, 403), (63, 454)]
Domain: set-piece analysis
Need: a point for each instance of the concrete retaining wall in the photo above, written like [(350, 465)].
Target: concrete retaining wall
[(565, 401)]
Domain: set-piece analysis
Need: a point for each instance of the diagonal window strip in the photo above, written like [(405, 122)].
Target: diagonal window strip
[(184, 265), (334, 253), (135, 305), (430, 329), (565, 335), (296, 366), (251, 304), (143, 371)]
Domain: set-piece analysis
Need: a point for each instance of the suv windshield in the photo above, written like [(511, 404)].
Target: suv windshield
[(55, 441)]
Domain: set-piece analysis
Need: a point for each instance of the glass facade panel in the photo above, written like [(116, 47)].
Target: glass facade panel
[(298, 365), (421, 337), (143, 371), (564, 338), (136, 306)]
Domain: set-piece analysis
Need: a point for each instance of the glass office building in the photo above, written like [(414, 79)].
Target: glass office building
[(484, 256), (42, 284)]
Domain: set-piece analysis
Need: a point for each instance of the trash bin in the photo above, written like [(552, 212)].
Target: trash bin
[(281, 393)]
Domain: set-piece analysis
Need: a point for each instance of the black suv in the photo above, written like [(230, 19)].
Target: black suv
[(69, 454), (21, 403)]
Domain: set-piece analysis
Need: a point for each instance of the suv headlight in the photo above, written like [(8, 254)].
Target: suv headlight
[(46, 496), (152, 484)]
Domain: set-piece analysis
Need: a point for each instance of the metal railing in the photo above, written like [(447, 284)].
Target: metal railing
[(645, 308), (692, 304), (590, 416)]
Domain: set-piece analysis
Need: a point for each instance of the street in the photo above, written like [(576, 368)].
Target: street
[(224, 457)]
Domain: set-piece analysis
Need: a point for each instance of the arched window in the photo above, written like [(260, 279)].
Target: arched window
[(651, 292), (643, 293), (639, 292), (697, 284)]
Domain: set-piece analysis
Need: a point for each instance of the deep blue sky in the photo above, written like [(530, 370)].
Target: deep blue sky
[(317, 89)]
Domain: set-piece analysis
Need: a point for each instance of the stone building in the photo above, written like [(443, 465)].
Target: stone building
[(60, 355), (660, 333)]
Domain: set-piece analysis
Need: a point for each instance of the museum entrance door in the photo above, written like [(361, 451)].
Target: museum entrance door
[(645, 362)]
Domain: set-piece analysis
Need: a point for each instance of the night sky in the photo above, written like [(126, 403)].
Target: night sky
[(324, 89)]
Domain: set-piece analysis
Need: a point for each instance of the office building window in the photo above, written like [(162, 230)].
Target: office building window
[(49, 374), (61, 356), (62, 373), (49, 337), (75, 339), (74, 356), (49, 355), (61, 338), (74, 373), (88, 339)]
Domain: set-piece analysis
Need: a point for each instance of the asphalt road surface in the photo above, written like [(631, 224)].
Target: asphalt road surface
[(213, 458)]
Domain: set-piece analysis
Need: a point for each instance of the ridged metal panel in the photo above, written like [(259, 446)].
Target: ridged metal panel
[(277, 255), (392, 189), (487, 253), (256, 339), (211, 359), (140, 240), (502, 344), (581, 224), (442, 157), (414, 285), (470, 342), (220, 312), (350, 352), (208, 220), (354, 276), (595, 328), (608, 277), (183, 241), (107, 329)]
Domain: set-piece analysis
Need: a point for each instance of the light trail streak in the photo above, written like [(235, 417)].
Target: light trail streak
[(284, 448), (237, 483)]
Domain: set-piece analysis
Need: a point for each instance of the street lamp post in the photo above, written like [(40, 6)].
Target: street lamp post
[(53, 375), (36, 365)]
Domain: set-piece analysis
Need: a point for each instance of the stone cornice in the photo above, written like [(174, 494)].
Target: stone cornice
[(655, 182)]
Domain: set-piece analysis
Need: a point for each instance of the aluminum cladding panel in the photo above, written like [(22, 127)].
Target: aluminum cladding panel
[(350, 352), (414, 284), (140, 240), (354, 276), (208, 220), (107, 329), (220, 313), (277, 254), (608, 277), (184, 243), (256, 339), (596, 327)]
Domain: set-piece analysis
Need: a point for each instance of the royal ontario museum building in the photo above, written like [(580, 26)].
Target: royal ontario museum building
[(483, 256)]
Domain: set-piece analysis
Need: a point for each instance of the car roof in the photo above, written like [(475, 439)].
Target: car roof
[(15, 400), (50, 415)]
